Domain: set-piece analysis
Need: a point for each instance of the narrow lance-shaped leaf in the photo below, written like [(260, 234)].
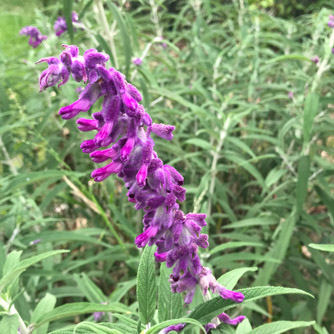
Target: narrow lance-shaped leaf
[(323, 247), (9, 324), (17, 271), (45, 305), (67, 5), (301, 188), (170, 305), (146, 285), (124, 34), (279, 327), (310, 110), (73, 309)]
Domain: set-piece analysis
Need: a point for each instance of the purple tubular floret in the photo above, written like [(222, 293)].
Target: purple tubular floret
[(152, 186)]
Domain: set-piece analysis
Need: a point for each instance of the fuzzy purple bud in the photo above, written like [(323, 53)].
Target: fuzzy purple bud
[(315, 59), (137, 61), (163, 131)]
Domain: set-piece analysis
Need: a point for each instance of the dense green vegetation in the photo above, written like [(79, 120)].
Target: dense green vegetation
[(254, 140)]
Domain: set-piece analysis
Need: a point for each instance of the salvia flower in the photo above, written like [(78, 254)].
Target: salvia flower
[(176, 328), (223, 318), (315, 59), (331, 21), (137, 61), (160, 39), (34, 242), (122, 139), (60, 25), (36, 38)]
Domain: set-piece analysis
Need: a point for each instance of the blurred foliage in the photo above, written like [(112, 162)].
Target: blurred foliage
[(254, 140)]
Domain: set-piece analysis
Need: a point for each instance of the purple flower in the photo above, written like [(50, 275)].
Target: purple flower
[(315, 59), (209, 326), (290, 95), (223, 317), (36, 38), (331, 21), (98, 316), (122, 139), (34, 242), (137, 61), (176, 328), (163, 44), (60, 25)]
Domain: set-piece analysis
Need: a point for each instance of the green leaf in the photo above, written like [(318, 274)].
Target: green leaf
[(323, 247), (170, 305), (280, 327), (157, 328), (244, 328), (325, 293), (121, 290), (230, 279), (200, 143), (73, 309), (89, 289), (12, 261), (9, 324), (45, 305), (235, 244), (96, 328), (310, 110), (125, 37), (279, 250), (301, 187), (146, 285), (84, 10), (260, 221), (290, 57), (205, 312), (273, 176), (67, 5), (17, 271), (326, 198), (4, 102)]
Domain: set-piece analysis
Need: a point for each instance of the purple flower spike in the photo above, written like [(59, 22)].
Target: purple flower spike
[(152, 186), (223, 317), (36, 38), (331, 21)]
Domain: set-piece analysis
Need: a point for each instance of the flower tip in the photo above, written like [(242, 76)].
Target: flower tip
[(238, 297)]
